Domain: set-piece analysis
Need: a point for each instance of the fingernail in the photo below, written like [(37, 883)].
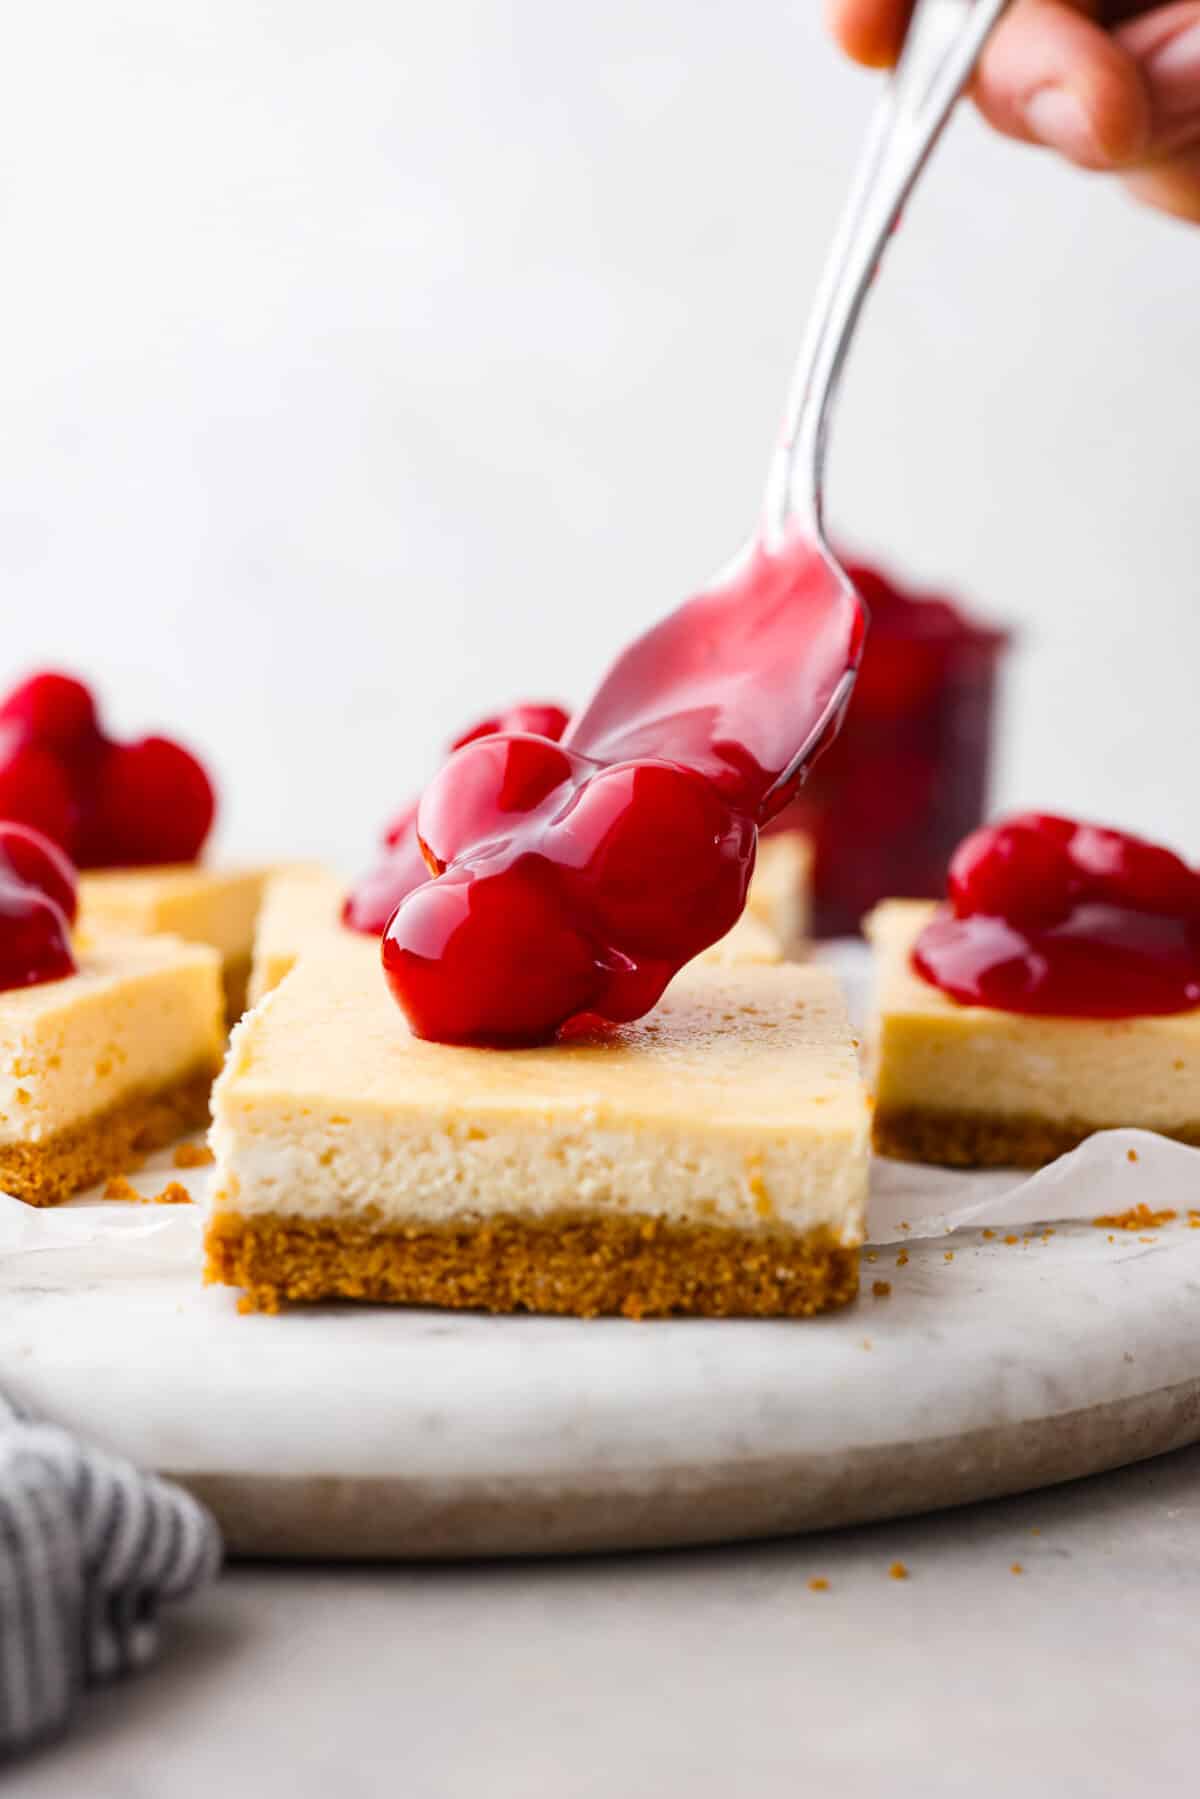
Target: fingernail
[(1057, 119), (1174, 70)]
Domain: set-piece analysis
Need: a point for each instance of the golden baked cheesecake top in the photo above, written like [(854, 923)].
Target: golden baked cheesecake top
[(217, 906)]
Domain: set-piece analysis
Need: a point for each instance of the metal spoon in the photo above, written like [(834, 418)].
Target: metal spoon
[(944, 41)]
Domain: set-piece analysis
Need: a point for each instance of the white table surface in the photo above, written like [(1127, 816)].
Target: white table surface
[(697, 1673)]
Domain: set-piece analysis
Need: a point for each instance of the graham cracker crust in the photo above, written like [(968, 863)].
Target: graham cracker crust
[(45, 1173), (987, 1139), (636, 1267)]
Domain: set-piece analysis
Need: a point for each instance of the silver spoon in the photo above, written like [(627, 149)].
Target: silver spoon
[(944, 41)]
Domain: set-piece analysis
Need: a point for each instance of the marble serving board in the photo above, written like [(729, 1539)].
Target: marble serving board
[(993, 1364)]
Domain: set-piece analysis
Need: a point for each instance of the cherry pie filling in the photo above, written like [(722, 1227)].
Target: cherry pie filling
[(1045, 915)]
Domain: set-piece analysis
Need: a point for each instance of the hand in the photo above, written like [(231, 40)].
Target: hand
[(1109, 86)]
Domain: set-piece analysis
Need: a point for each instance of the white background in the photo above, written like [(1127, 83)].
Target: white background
[(365, 364)]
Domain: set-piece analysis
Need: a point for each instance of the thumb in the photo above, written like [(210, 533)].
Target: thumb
[(1165, 44), (1166, 47), (1051, 75)]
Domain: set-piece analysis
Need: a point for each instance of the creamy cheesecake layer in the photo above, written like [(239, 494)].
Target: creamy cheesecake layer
[(737, 1102), (141, 1014), (302, 908), (931, 1055)]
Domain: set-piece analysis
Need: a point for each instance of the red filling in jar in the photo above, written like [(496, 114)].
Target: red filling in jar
[(908, 776)]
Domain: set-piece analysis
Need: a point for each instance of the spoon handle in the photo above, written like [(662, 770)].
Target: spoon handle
[(943, 44)]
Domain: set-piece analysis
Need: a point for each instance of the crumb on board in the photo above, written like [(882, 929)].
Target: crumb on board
[(192, 1155), (1012, 1239), (118, 1187), (898, 1571), (948, 1255), (1137, 1218), (1131, 1155), (989, 1235), (1017, 1568), (1035, 1530), (902, 1259), (818, 1584), (173, 1194), (871, 1256), (881, 1289)]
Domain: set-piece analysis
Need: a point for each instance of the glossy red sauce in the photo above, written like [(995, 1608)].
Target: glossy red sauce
[(108, 804), (576, 879), (1048, 916), (37, 909), (401, 865)]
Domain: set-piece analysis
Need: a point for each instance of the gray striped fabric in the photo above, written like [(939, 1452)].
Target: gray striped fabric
[(89, 1548)]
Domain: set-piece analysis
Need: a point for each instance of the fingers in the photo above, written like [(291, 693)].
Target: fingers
[(1126, 99), (1165, 44), (870, 31), (1052, 76), (1049, 75)]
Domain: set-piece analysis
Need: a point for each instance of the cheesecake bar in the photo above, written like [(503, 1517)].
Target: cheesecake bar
[(972, 1087), (302, 908), (708, 1159), (215, 906), (781, 889), (115, 1059)]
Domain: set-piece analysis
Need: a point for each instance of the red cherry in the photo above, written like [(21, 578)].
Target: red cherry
[(488, 788), (1134, 873), (532, 718), (152, 803), (53, 710), (490, 959), (35, 939), (375, 896), (656, 851), (1019, 869), (29, 859), (1052, 917), (107, 803), (36, 790), (37, 908)]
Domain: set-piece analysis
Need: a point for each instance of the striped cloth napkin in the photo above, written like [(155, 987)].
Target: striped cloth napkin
[(89, 1549)]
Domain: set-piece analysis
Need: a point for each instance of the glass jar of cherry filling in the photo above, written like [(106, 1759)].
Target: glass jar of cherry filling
[(890, 800)]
